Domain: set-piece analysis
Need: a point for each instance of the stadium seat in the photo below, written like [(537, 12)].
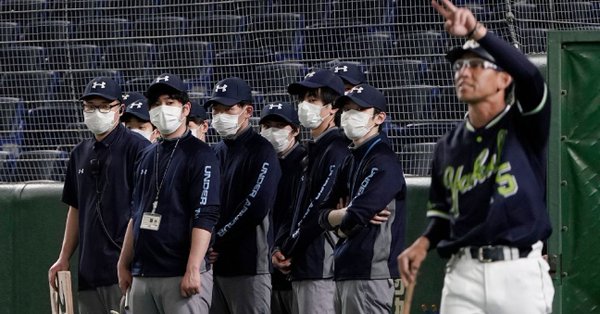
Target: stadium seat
[(324, 39), (132, 59), (580, 12), (242, 7), (22, 58), (393, 73), (370, 12), (7, 166), (34, 88), (279, 32), (188, 9), (425, 132), (241, 63), (23, 11), (49, 126), (11, 123), (49, 33), (190, 59), (223, 31), (9, 32), (159, 30), (423, 103), (312, 11), (41, 165), (533, 40), (129, 9), (138, 84), (102, 31), (73, 57), (530, 15), (274, 78), (424, 44), (366, 48), (416, 158)]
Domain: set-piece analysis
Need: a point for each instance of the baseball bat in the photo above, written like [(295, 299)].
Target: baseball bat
[(62, 300), (408, 295)]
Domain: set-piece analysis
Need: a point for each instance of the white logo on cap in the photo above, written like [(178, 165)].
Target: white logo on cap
[(311, 74), (164, 78), (344, 68), (278, 106), (471, 44), (80, 171), (96, 84), (221, 88), (356, 89), (125, 96), (137, 104)]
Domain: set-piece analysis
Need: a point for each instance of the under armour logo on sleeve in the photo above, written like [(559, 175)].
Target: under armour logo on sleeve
[(356, 89), (164, 78), (278, 106), (343, 69), (96, 84), (143, 172), (221, 88), (80, 171), (137, 104)]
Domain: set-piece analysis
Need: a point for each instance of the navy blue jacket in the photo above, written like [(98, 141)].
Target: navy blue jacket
[(291, 170), (490, 182), (308, 244), (372, 179), (106, 167), (243, 236), (189, 198)]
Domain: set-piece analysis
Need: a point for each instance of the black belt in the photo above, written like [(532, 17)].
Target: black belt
[(488, 254)]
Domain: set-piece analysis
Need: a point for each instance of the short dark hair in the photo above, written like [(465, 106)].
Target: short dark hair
[(182, 97)]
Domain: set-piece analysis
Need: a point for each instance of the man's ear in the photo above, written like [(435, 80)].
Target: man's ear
[(248, 109), (379, 118), (506, 79), (187, 107)]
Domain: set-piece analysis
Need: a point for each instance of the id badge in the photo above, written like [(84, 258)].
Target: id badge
[(150, 221)]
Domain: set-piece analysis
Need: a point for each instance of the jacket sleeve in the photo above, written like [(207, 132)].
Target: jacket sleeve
[(307, 229), (379, 186), (265, 175), (205, 182)]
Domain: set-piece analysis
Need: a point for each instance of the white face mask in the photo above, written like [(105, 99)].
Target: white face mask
[(226, 124), (145, 134), (99, 122), (279, 138), (166, 118), (356, 123), (309, 115)]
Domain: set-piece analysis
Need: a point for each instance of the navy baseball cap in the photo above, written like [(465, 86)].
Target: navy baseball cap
[(282, 110), (316, 79), (136, 107), (365, 96), (229, 92), (131, 97), (104, 87), (469, 46), (165, 83), (197, 111), (349, 72)]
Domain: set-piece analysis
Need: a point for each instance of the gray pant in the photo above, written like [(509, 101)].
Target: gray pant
[(313, 296), (99, 300), (161, 295), (281, 301), (242, 295), (364, 296)]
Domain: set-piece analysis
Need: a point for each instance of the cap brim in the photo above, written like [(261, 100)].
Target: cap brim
[(225, 101), (350, 80), (284, 118), (298, 88), (108, 97), (159, 88), (457, 53), (344, 99), (134, 114)]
